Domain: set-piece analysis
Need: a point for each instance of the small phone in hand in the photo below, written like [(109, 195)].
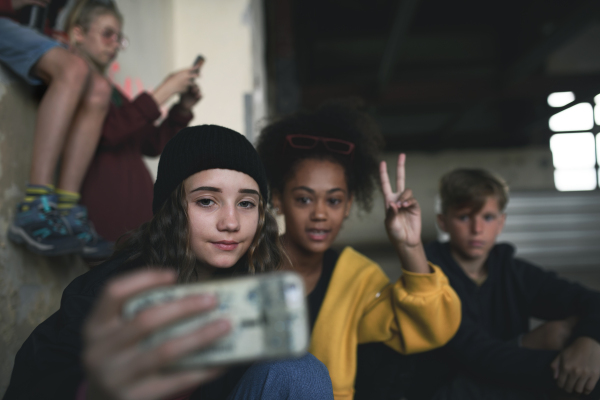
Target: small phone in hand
[(267, 312), (198, 62)]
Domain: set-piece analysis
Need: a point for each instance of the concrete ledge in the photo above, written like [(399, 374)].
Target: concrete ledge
[(30, 286)]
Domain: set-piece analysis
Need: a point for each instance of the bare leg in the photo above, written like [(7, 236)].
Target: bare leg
[(67, 76), (84, 133)]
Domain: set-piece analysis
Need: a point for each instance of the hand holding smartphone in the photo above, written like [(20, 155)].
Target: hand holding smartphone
[(267, 313), (116, 362)]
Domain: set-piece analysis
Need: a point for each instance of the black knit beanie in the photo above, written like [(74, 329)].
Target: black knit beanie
[(198, 148)]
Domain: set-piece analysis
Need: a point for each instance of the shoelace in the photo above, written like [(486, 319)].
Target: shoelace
[(53, 216), (89, 233)]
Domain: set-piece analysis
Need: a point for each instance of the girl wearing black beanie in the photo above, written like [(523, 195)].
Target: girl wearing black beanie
[(209, 220)]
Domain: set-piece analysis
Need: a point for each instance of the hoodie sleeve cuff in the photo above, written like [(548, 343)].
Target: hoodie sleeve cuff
[(415, 283), (180, 116)]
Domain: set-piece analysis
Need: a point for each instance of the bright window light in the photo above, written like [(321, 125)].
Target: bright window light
[(597, 113), (580, 117), (575, 179), (573, 150), (560, 99), (598, 149), (597, 99)]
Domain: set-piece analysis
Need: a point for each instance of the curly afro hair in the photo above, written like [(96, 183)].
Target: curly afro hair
[(339, 119)]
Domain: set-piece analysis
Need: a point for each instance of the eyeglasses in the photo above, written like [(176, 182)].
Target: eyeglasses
[(110, 35), (307, 142)]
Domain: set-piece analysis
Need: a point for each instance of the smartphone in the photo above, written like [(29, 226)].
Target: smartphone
[(199, 61), (267, 311)]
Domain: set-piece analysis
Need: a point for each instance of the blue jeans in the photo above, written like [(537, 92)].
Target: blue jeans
[(21, 47), (295, 379)]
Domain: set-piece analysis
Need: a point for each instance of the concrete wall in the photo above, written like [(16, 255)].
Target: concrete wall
[(148, 24), (219, 30), (167, 35), (30, 286)]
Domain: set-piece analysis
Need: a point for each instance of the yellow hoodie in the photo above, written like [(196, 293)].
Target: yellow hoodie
[(419, 312)]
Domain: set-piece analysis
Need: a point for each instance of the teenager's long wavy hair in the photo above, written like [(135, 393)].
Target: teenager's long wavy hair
[(165, 241)]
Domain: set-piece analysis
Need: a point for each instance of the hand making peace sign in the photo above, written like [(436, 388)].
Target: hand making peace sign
[(403, 214)]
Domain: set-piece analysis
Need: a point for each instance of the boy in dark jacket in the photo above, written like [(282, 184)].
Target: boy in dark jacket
[(500, 293)]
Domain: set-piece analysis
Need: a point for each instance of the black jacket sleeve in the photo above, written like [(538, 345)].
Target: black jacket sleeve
[(500, 362), (48, 365), (484, 356), (553, 298)]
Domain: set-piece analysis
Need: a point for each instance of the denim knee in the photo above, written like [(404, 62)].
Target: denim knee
[(301, 378)]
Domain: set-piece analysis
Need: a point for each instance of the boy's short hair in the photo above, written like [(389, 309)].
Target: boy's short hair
[(471, 188)]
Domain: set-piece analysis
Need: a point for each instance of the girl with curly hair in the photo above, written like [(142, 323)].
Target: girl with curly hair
[(209, 220), (318, 165)]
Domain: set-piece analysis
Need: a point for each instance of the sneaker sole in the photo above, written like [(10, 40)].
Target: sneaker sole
[(19, 236)]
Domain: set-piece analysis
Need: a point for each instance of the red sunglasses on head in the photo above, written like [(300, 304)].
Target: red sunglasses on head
[(307, 142)]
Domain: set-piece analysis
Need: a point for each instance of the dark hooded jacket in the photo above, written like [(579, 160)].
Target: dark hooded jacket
[(48, 366), (486, 347)]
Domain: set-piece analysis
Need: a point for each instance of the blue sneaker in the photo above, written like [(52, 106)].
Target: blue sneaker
[(95, 248), (40, 227)]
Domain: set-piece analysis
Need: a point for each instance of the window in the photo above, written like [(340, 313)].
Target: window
[(598, 152), (579, 117), (597, 110), (574, 154), (560, 99), (574, 157)]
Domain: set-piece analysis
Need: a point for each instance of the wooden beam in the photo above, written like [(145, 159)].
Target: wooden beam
[(528, 63), (282, 62), (467, 91), (404, 16)]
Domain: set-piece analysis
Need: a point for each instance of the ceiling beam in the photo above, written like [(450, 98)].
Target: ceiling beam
[(404, 16), (532, 60), (283, 63), (467, 91)]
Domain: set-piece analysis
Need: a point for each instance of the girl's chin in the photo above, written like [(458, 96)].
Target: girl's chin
[(317, 247), (220, 263), (222, 266)]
